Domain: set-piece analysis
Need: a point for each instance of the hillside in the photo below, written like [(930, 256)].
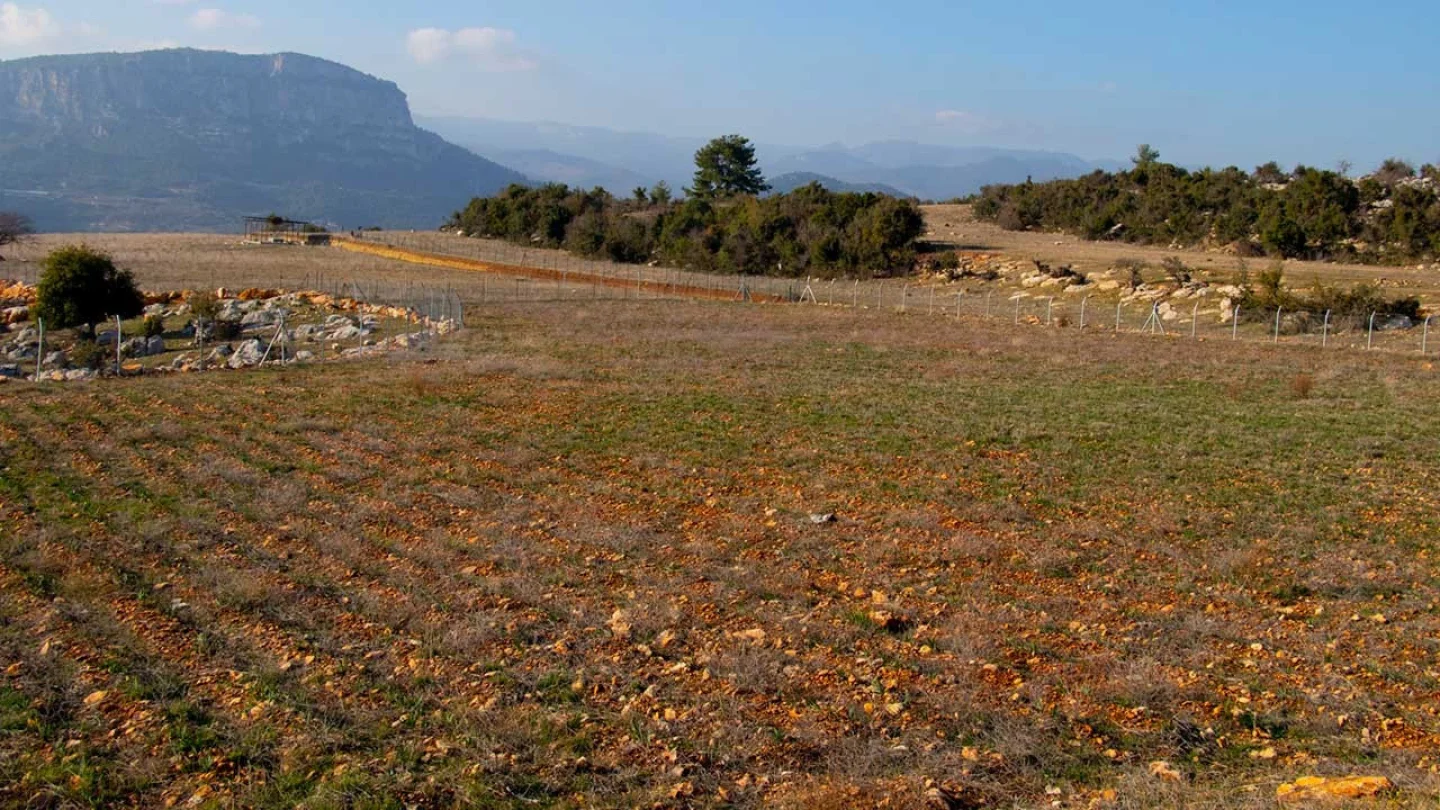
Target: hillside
[(191, 140), (787, 183)]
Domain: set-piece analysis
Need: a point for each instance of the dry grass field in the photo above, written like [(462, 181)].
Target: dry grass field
[(567, 559), (955, 226)]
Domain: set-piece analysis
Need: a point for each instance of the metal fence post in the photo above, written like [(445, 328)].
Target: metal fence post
[(1084, 302), (1195, 321), (1235, 323), (40, 355), (1325, 331), (1424, 337), (1278, 310), (1050, 311), (1118, 305), (1370, 335)]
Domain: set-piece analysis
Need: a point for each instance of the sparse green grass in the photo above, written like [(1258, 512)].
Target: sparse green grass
[(396, 584)]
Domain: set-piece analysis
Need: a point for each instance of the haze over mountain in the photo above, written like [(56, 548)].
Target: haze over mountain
[(192, 140), (788, 182), (927, 171)]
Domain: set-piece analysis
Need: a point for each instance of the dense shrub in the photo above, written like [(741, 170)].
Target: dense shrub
[(81, 287), (1309, 213), (1268, 292), (808, 232)]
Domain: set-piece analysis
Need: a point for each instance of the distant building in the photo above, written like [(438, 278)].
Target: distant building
[(276, 230)]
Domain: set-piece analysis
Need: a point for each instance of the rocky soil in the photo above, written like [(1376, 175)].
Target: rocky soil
[(253, 327)]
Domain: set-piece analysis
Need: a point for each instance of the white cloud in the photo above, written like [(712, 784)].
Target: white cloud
[(492, 49), (214, 19), (20, 27)]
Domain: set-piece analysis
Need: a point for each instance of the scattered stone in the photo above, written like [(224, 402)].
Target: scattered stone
[(822, 518), (1163, 770), (1319, 788), (248, 354), (11, 371), (1390, 323)]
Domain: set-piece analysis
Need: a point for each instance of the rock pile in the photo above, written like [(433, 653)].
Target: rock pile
[(268, 326)]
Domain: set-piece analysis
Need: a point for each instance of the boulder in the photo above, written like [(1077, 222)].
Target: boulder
[(346, 332), (219, 355), (267, 316), (11, 371), (303, 356), (11, 315), (248, 354), (1387, 323), (55, 359), (81, 374), (142, 347)]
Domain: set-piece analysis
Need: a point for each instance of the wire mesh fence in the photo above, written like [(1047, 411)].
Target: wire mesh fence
[(1189, 314)]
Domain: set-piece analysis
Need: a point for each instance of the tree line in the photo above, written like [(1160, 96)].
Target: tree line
[(722, 225), (1391, 216)]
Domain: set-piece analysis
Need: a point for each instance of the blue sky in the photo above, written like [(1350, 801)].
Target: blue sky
[(1217, 82)]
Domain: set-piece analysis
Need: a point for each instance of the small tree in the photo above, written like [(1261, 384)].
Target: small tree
[(80, 287), (1177, 271), (641, 195), (1270, 174), (660, 194), (1393, 170), (726, 167), (1145, 155), (14, 228)]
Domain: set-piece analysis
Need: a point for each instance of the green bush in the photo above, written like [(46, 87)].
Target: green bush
[(153, 326), (808, 232), (1309, 213), (1269, 292), (81, 287)]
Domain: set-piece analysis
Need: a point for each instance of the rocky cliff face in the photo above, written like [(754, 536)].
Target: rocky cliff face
[(186, 139)]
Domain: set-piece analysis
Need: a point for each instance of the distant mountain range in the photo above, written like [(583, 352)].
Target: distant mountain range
[(591, 156), (191, 140), (788, 182)]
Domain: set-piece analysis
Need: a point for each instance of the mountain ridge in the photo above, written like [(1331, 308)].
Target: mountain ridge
[(184, 139), (927, 171)]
